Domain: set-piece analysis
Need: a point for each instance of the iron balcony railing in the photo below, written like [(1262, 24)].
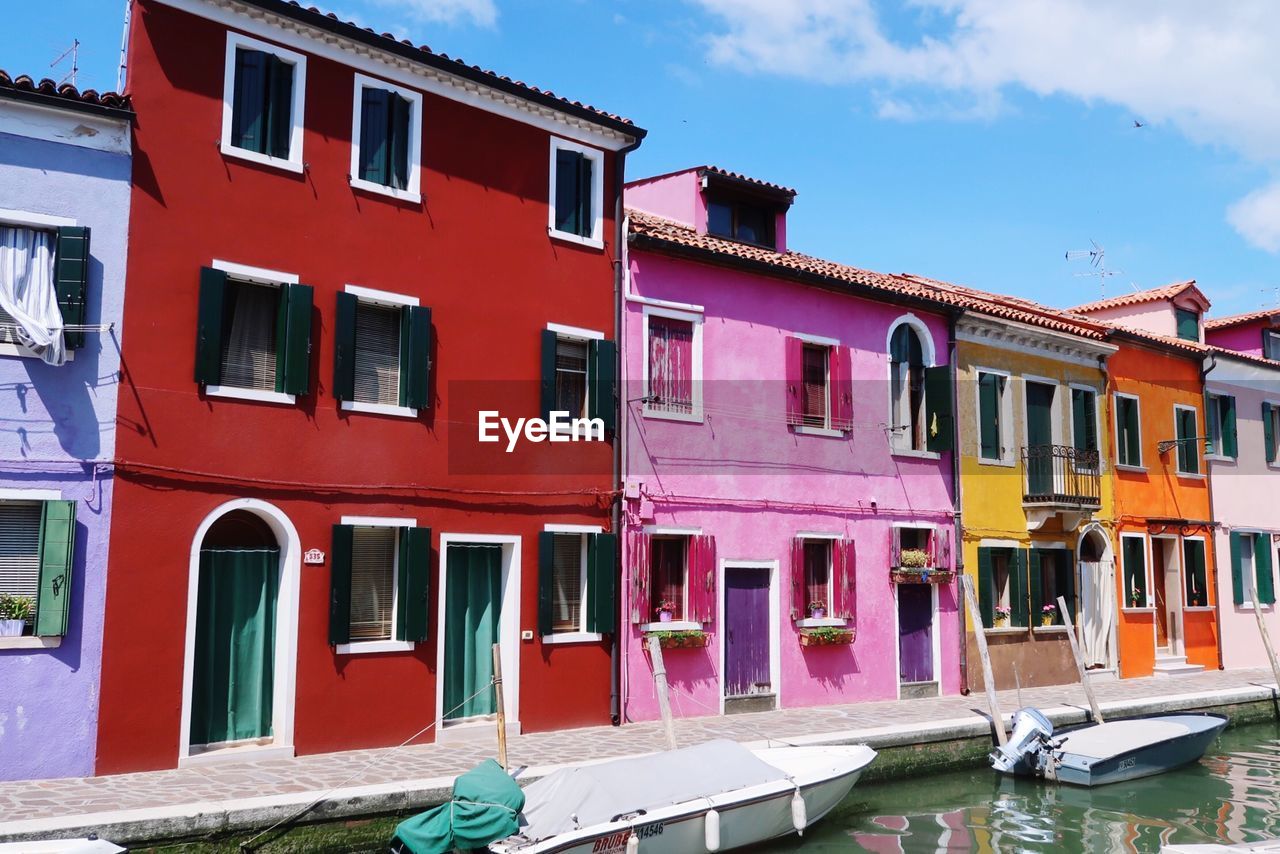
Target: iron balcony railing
[(1061, 475)]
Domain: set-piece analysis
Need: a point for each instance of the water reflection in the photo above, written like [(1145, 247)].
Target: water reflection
[(1232, 795)]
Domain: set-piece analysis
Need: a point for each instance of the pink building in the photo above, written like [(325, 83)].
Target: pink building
[(788, 469)]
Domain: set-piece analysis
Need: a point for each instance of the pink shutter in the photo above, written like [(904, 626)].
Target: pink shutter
[(798, 595), (895, 558), (640, 570), (841, 374), (942, 548), (844, 593), (702, 578), (795, 380)]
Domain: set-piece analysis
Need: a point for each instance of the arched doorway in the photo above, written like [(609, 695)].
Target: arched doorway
[(241, 633), (1097, 598)]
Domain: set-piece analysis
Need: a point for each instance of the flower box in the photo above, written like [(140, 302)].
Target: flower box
[(691, 639), (828, 636), (928, 575)]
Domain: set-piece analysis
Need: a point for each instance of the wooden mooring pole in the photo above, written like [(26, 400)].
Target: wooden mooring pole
[(988, 680), (1266, 640), (1079, 657), (660, 681), (502, 712)]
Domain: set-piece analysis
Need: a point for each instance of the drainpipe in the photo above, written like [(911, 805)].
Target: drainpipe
[(957, 551), (619, 437), (1213, 516)]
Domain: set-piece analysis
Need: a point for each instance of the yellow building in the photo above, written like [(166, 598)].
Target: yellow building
[(1035, 492)]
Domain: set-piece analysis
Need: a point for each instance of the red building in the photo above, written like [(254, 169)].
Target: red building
[(343, 249)]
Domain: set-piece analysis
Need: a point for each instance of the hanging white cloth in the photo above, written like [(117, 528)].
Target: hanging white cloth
[(27, 292), (1098, 596)]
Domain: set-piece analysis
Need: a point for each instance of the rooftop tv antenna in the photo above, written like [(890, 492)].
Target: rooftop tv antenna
[(1097, 257), (74, 53)]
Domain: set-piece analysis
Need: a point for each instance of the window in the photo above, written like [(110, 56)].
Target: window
[(1188, 324), (43, 278), (386, 139), (814, 396), (822, 580), (1220, 425), (576, 584), (1084, 424), (913, 548), (1251, 563), (569, 561), (1195, 581), (741, 220), (1271, 430), (262, 103), (1134, 553), (382, 352), (571, 377), (577, 193), (991, 416), (1271, 344), (1128, 431), (579, 374), (37, 545), (667, 574), (1002, 587), (906, 366), (817, 575), (674, 572), (1184, 418), (378, 584), (1052, 574), (254, 334), (672, 345)]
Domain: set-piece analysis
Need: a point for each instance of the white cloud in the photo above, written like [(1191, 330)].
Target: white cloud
[(1206, 69), (1257, 217), (481, 12)]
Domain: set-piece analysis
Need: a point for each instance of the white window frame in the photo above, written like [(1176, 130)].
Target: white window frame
[(1182, 572), (596, 156), (1212, 420), (696, 378), (413, 189), (391, 645), (1269, 334), (830, 539), (928, 355), (831, 344), (31, 496), (586, 336), (1200, 475), (36, 222), (293, 163), (582, 635), (1147, 562), (1055, 411), (1007, 457), (260, 276), (1139, 466), (1097, 418), (685, 625), (390, 300), (1275, 432)]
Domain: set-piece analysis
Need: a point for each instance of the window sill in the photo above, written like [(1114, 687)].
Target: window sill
[(363, 647), (806, 430), (250, 394), (573, 637), (1131, 610), (919, 455), (688, 417), (1050, 630), (569, 237), (673, 626), (287, 164), (379, 409), (23, 353), (30, 642), (412, 196), (1126, 467), (1008, 464), (1195, 609), (1005, 630), (824, 622), (1186, 475), (1218, 458)]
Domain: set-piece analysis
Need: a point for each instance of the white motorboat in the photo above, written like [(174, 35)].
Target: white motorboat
[(712, 797)]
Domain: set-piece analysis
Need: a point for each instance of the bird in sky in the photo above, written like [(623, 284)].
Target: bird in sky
[(1138, 124)]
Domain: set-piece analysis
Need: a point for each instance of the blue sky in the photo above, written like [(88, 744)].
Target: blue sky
[(970, 140)]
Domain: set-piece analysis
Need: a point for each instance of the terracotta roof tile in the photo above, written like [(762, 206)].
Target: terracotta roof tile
[(24, 84), (1138, 297), (1238, 319), (738, 176), (1244, 357)]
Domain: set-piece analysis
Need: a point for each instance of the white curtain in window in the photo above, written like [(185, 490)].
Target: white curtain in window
[(249, 357), (27, 293)]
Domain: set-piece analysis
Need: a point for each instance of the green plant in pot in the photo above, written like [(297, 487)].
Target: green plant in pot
[(913, 559), (15, 611)]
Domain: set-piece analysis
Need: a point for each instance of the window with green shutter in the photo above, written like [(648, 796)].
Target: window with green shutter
[(576, 190), (1270, 430), (1128, 431), (37, 552), (382, 354), (1194, 577), (1051, 574), (384, 145), (991, 389), (1084, 421), (262, 103), (1264, 582), (576, 583), (1188, 323), (1271, 344), (1001, 584), (1220, 426), (379, 583), (1134, 555), (1188, 451)]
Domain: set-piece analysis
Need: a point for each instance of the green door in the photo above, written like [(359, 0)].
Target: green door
[(235, 645), (473, 610), (1039, 439)]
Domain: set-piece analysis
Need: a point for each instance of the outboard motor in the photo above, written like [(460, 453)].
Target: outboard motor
[(1031, 732)]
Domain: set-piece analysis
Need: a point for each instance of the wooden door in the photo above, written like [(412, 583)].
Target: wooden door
[(915, 632), (746, 617)]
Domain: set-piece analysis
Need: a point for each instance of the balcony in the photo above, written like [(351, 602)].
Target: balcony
[(1060, 477)]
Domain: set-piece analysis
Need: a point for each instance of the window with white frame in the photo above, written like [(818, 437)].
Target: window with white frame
[(817, 576), (906, 378), (913, 547), (1271, 431), (1136, 583), (26, 262), (373, 583), (1188, 451), (577, 192), (382, 354), (571, 376), (386, 139), (377, 354), (20, 549), (44, 278), (1128, 431), (569, 583), (1220, 426), (671, 362), (668, 575), (1271, 344), (262, 102), (815, 400), (37, 547), (993, 423)]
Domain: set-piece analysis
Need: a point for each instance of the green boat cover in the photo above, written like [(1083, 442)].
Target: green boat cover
[(485, 807)]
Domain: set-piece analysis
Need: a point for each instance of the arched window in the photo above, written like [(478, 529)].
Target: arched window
[(906, 377)]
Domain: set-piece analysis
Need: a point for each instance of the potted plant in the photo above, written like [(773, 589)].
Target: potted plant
[(14, 613), (1002, 616), (826, 636), (817, 609), (1048, 614), (690, 639), (1135, 596), (666, 611), (913, 558)]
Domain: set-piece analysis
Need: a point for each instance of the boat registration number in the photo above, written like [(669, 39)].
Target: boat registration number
[(1128, 763), (618, 841)]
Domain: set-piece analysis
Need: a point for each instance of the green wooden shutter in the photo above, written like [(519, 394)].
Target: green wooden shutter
[(213, 294), (1128, 408), (1018, 587), (549, 340), (295, 348), (1188, 458), (415, 368), (989, 416), (546, 582), (414, 584), (602, 611), (1212, 443), (279, 123), (1188, 324), (1035, 585), (57, 552), (939, 401), (1237, 567), (602, 370), (1195, 581), (398, 142), (1084, 425), (1263, 586), (986, 585), (344, 347), (71, 279), (248, 102), (340, 585), (1067, 583), (373, 135), (586, 221), (1227, 414), (1268, 433)]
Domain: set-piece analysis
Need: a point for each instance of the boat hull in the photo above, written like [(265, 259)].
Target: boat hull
[(1144, 761)]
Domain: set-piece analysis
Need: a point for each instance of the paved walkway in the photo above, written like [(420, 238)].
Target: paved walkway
[(57, 803)]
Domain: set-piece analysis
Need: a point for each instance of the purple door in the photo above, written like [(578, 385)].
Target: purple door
[(746, 620), (915, 632)]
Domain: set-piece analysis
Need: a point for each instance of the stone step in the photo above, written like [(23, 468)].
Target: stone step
[(1175, 665)]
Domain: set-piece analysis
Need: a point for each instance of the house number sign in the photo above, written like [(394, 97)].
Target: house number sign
[(313, 557)]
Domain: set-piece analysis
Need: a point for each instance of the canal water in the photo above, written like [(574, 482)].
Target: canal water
[(1231, 795)]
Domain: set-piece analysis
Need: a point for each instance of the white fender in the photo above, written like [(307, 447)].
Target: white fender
[(633, 843), (711, 829), (798, 817)]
